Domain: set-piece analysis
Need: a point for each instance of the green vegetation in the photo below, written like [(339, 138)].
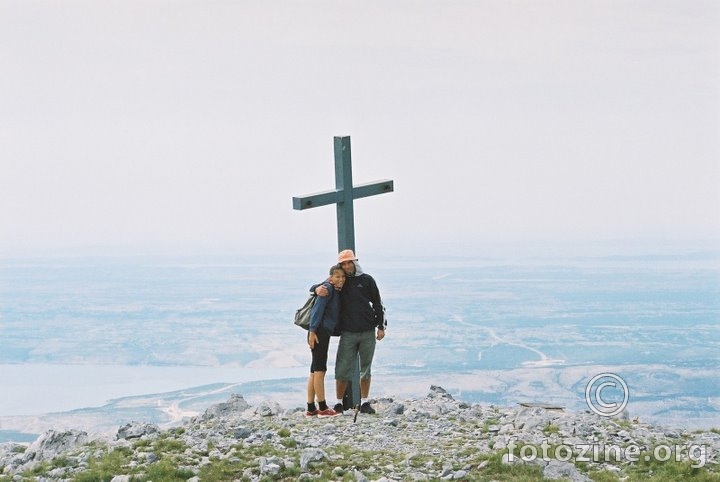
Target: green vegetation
[(648, 464), (164, 446), (496, 470), (489, 423), (289, 443), (165, 471), (550, 429), (241, 463), (165, 457), (624, 424), (109, 465)]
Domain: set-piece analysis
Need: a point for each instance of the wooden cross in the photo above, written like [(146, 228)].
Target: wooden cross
[(343, 195)]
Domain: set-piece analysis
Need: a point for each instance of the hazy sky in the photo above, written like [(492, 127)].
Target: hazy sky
[(189, 125)]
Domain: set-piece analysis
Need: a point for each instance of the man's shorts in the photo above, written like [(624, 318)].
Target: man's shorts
[(350, 346)]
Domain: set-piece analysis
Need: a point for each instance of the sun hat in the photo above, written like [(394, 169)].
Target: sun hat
[(346, 255)]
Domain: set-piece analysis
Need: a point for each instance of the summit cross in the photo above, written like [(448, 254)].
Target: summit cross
[(343, 194)]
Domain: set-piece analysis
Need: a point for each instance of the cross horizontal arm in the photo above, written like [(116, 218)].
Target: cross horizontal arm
[(333, 197), (314, 200), (372, 188)]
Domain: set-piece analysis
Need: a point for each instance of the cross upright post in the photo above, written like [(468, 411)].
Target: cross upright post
[(343, 184), (343, 196)]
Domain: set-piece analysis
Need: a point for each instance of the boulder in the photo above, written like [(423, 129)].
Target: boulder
[(235, 405), (437, 392), (558, 470), (52, 443), (311, 455), (136, 430)]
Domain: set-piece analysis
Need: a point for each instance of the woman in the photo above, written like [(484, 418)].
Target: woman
[(323, 320)]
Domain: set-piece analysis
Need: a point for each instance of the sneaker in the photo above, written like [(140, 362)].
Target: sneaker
[(328, 412), (311, 414), (338, 408), (366, 408)]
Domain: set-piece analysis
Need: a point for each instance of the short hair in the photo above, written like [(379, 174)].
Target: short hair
[(336, 267)]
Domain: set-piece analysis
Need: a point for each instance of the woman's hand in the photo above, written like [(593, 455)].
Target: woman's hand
[(312, 339)]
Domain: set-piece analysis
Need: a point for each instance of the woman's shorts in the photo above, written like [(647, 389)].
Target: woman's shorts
[(320, 352)]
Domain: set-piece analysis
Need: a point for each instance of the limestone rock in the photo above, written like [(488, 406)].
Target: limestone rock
[(235, 405), (437, 392), (136, 430), (51, 444), (558, 470), (268, 409), (311, 455)]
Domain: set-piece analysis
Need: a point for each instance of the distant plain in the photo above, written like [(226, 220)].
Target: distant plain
[(99, 341)]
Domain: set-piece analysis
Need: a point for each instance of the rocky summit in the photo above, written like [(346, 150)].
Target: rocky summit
[(430, 438)]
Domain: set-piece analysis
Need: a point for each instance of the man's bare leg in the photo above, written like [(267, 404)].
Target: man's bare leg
[(364, 387), (340, 387)]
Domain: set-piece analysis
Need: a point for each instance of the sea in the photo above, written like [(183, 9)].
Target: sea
[(93, 342)]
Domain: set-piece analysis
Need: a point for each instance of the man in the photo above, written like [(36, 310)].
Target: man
[(361, 313)]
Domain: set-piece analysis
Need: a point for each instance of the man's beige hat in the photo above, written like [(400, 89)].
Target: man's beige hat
[(346, 255)]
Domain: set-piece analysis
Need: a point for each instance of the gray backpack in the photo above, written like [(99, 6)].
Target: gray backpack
[(302, 315)]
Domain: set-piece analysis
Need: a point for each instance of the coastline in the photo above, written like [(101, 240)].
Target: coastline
[(167, 396)]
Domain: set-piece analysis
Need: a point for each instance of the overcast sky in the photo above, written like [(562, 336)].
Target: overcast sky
[(190, 125)]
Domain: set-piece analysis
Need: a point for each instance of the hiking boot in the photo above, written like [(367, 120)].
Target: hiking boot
[(328, 412), (366, 408), (311, 414), (338, 408)]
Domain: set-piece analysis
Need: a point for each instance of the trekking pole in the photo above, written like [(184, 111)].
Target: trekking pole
[(357, 395)]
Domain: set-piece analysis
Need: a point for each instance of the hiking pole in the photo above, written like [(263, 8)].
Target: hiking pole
[(357, 410), (354, 386)]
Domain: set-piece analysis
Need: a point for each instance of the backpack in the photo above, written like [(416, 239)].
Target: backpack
[(302, 315)]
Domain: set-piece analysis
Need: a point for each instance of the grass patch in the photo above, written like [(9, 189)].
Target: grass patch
[(165, 471), (289, 443), (106, 467), (496, 470), (488, 423), (222, 470), (165, 446), (648, 465), (142, 444), (624, 424), (40, 469), (550, 429)]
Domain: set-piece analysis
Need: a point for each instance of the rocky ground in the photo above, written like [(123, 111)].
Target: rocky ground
[(433, 438)]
